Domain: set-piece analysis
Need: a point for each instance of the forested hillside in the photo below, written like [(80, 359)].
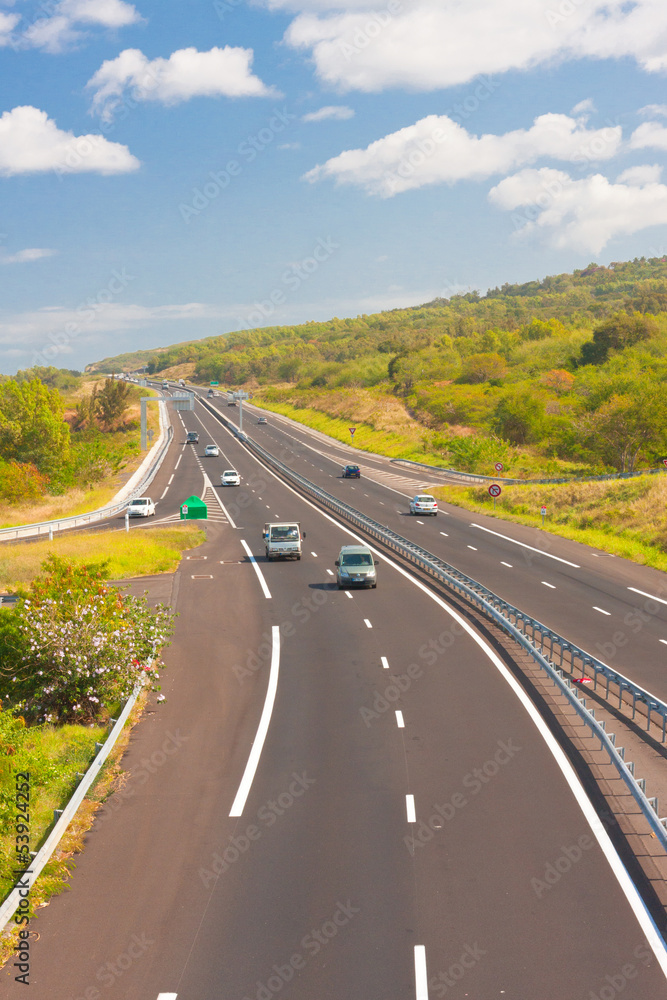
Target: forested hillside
[(568, 370)]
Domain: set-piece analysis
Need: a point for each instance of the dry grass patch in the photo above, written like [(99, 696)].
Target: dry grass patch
[(139, 552)]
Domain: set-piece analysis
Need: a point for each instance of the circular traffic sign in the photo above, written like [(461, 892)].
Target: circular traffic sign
[(499, 466), (495, 490)]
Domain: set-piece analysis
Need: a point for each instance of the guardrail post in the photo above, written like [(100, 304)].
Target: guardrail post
[(127, 520)]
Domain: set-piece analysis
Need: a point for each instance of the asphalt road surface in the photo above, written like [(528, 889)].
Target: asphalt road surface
[(407, 830)]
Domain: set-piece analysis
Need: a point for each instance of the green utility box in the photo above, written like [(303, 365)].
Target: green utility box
[(193, 509)]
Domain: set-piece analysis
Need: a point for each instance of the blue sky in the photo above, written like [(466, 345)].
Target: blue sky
[(171, 171)]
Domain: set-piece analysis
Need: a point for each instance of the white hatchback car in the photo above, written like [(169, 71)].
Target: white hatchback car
[(211, 450), (424, 504), (230, 477), (141, 507)]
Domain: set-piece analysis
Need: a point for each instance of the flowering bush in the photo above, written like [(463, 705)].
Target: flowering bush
[(76, 644)]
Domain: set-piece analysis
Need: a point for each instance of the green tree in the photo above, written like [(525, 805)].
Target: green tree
[(619, 331), (629, 425), (519, 415), (32, 428), (111, 402), (483, 368)]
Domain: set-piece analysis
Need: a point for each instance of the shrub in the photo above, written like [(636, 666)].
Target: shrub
[(21, 481), (76, 645)]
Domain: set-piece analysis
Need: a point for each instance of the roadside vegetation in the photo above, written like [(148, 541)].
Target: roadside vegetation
[(139, 552), (65, 439), (72, 651)]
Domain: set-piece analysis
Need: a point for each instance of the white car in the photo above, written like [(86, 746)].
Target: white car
[(211, 450), (424, 504), (141, 507), (230, 477)]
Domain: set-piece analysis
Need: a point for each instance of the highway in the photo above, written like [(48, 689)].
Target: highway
[(411, 829), (609, 606)]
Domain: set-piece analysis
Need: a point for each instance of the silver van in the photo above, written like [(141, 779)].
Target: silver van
[(356, 567)]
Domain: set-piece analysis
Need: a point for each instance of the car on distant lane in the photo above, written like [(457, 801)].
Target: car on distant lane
[(211, 450), (355, 567), (141, 507), (351, 472), (192, 438), (424, 503)]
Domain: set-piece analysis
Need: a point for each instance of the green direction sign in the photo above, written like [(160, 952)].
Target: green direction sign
[(215, 383)]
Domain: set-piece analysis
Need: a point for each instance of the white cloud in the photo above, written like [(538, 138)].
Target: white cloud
[(431, 44), (437, 150), (641, 175), (649, 135), (185, 74), (584, 107), (338, 112), (58, 31), (651, 110), (31, 142), (585, 214), (26, 256), (7, 24)]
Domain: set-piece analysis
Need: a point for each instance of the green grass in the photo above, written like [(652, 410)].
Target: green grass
[(139, 552), (626, 517)]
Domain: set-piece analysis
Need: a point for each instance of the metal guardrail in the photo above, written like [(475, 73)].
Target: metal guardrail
[(502, 612), (478, 478), (80, 520)]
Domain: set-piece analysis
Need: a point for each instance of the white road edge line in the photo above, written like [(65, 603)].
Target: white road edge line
[(525, 546), (260, 575), (661, 600), (262, 729), (385, 661), (410, 808), (400, 722), (627, 886), (421, 976)]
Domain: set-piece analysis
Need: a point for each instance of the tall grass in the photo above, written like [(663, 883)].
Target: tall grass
[(139, 552)]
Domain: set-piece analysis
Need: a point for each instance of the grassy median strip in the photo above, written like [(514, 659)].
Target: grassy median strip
[(139, 552), (625, 517)]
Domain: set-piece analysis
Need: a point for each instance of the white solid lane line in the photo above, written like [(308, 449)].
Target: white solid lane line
[(550, 585), (661, 600), (524, 546), (399, 720), (260, 575), (509, 565), (385, 662), (410, 808), (602, 611), (262, 729), (367, 623), (421, 976)]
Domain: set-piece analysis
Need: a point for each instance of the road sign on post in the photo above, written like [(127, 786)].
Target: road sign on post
[(352, 430), (495, 491), (543, 512), (499, 466)]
